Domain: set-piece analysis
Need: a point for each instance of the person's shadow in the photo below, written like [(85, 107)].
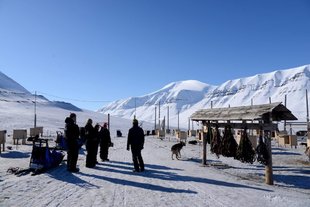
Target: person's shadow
[(162, 173)]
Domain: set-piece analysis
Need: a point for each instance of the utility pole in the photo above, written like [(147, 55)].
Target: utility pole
[(307, 106), (35, 109), (109, 122), (168, 118), (159, 115), (135, 106), (178, 120), (308, 126), (285, 106), (155, 119)]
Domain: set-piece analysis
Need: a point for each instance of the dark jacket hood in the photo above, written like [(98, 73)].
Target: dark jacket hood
[(69, 120)]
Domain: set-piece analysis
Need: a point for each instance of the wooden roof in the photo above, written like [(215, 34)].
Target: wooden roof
[(245, 113)]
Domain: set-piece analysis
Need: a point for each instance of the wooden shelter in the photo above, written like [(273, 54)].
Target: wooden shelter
[(259, 117)]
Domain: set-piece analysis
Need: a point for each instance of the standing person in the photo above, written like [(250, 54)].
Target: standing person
[(90, 144), (72, 134), (135, 140), (97, 128), (105, 142)]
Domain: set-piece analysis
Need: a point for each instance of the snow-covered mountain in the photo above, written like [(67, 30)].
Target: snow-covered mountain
[(17, 111), (11, 91), (183, 98), (6, 83)]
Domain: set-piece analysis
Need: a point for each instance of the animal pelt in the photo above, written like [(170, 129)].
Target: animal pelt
[(307, 152), (176, 149)]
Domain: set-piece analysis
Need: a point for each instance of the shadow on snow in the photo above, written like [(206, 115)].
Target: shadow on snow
[(60, 173), (15, 154), (153, 172)]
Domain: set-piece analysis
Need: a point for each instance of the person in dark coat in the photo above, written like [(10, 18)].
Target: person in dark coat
[(72, 134), (91, 143), (97, 128), (135, 141), (105, 142)]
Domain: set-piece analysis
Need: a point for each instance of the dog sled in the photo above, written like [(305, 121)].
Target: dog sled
[(61, 142), (42, 157)]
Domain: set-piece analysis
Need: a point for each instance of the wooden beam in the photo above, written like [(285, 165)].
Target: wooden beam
[(269, 127)]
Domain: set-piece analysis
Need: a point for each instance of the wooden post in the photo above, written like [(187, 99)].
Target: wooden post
[(204, 146), (268, 167)]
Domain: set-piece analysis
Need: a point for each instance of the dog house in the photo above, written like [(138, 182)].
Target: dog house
[(254, 117), (37, 131), (2, 139), (192, 133), (19, 134), (182, 136)]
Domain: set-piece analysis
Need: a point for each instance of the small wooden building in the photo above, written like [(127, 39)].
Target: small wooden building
[(260, 117), (2, 139)]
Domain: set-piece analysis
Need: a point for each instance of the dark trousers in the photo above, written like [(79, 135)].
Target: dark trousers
[(104, 151), (72, 156), (96, 149), (91, 156), (137, 159)]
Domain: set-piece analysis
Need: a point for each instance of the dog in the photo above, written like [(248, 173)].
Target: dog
[(176, 150), (304, 144), (194, 142), (307, 152)]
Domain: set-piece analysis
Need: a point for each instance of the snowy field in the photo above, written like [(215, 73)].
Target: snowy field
[(166, 182)]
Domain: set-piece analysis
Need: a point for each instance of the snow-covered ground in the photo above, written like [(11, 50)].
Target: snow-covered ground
[(166, 182)]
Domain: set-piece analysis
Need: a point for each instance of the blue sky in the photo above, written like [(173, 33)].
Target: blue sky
[(91, 52)]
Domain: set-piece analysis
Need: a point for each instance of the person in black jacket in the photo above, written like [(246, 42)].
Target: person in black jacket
[(105, 142), (91, 143), (97, 128), (72, 134), (135, 140)]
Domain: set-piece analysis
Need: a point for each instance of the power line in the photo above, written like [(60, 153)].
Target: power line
[(71, 99)]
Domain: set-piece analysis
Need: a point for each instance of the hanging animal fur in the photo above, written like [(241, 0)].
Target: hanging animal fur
[(229, 144), (216, 142), (209, 135), (262, 152), (245, 151)]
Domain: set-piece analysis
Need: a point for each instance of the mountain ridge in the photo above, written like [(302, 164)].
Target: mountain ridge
[(185, 97), (11, 91)]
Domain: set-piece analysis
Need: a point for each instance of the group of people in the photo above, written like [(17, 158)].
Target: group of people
[(96, 136)]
